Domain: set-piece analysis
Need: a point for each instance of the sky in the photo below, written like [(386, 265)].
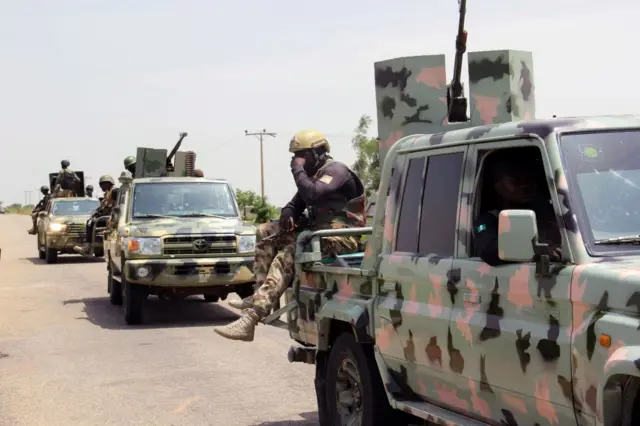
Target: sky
[(91, 80)]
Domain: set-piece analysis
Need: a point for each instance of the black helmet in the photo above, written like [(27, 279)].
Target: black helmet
[(44, 189), (65, 164), (89, 188)]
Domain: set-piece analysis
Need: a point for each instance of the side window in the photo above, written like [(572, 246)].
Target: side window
[(440, 204), (407, 233)]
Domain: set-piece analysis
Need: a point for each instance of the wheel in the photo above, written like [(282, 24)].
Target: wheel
[(98, 252), (354, 391), (114, 287), (212, 298), (41, 253), (133, 300), (51, 254), (630, 399), (244, 291)]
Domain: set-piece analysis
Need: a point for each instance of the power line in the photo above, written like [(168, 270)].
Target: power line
[(260, 136)]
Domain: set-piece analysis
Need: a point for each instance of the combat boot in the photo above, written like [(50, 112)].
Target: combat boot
[(32, 231), (246, 303), (241, 329)]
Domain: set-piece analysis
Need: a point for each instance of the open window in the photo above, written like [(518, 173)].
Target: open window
[(486, 199)]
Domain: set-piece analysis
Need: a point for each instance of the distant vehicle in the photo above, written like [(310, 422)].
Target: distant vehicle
[(2, 210)]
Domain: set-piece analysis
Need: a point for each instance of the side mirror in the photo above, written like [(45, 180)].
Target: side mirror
[(517, 235), (42, 214)]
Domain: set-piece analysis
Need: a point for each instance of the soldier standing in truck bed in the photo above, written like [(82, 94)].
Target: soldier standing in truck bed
[(130, 165), (334, 197), (42, 204), (65, 185)]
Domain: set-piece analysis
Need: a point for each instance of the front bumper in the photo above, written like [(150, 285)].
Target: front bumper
[(60, 241), (178, 273)]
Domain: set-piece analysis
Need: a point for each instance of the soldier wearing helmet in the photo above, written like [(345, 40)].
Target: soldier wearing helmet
[(333, 196), (130, 165), (106, 184), (89, 191), (66, 181), (42, 204)]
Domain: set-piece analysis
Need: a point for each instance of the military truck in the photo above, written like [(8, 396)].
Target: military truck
[(62, 225), (176, 236), (419, 326)]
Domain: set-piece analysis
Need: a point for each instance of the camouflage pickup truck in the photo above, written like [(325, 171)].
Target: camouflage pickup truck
[(62, 225), (176, 237), (418, 325)]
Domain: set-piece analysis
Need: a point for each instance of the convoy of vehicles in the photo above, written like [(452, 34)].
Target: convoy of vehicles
[(62, 225)]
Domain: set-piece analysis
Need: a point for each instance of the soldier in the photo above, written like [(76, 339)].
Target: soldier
[(66, 181), (198, 173), (130, 165), (334, 197), (89, 191), (106, 183), (514, 187), (42, 204)]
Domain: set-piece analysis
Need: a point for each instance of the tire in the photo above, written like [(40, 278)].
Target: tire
[(244, 290), (630, 400), (51, 255), (211, 298), (98, 252), (41, 253), (114, 287), (133, 301), (369, 392)]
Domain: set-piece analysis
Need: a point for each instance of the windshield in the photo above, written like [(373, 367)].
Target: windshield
[(183, 199), (74, 207), (603, 170)]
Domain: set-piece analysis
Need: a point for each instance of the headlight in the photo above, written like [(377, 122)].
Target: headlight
[(246, 244), (57, 227), (142, 245)]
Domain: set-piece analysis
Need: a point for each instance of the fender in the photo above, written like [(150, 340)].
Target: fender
[(623, 361), (354, 312)]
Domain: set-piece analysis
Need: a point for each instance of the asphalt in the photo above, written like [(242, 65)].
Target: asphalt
[(68, 358)]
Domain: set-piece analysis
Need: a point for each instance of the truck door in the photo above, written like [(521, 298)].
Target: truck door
[(414, 304)]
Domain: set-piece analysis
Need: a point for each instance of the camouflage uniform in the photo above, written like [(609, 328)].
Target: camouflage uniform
[(42, 204), (106, 183), (58, 191), (275, 251), (130, 165)]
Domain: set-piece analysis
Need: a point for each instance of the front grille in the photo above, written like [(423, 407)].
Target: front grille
[(76, 228), (215, 244)]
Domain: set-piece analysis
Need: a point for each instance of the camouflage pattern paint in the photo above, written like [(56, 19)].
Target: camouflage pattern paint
[(498, 344), (411, 93)]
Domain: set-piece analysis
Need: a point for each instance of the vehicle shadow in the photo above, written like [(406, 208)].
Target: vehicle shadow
[(308, 419), (190, 312), (65, 260)]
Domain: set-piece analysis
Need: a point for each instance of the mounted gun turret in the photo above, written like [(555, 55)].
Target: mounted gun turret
[(456, 102), (152, 162)]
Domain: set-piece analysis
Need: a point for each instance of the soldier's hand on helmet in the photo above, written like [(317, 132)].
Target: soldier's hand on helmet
[(297, 162), (286, 223)]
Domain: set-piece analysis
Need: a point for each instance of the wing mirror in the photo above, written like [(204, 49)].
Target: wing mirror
[(517, 235)]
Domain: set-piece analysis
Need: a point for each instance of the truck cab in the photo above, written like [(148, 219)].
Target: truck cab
[(419, 325)]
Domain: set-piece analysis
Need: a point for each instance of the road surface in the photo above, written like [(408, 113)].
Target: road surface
[(67, 357)]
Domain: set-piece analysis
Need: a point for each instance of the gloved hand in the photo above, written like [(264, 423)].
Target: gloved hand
[(286, 223)]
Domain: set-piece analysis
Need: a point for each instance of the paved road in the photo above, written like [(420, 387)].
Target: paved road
[(67, 357)]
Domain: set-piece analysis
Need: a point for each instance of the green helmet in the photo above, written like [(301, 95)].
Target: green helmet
[(65, 164), (89, 188), (44, 189), (105, 179), (129, 161)]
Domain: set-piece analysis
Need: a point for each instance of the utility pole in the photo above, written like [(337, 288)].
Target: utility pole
[(260, 136)]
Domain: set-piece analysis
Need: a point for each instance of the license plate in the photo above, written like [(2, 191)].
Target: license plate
[(204, 274)]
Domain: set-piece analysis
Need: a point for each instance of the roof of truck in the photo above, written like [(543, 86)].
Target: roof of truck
[(176, 179), (541, 128)]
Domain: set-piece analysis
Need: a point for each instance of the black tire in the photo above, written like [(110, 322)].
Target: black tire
[(51, 255), (369, 393), (41, 253), (114, 288), (134, 297), (211, 298), (98, 252), (245, 290), (630, 400)]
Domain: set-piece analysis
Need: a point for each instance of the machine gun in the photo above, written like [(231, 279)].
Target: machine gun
[(456, 102), (169, 166)]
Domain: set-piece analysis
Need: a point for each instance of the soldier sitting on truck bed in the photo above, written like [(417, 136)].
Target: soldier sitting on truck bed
[(89, 191), (66, 181), (514, 184), (106, 183), (42, 204), (334, 197)]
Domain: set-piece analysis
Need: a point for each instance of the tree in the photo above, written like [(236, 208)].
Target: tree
[(367, 164), (260, 209)]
